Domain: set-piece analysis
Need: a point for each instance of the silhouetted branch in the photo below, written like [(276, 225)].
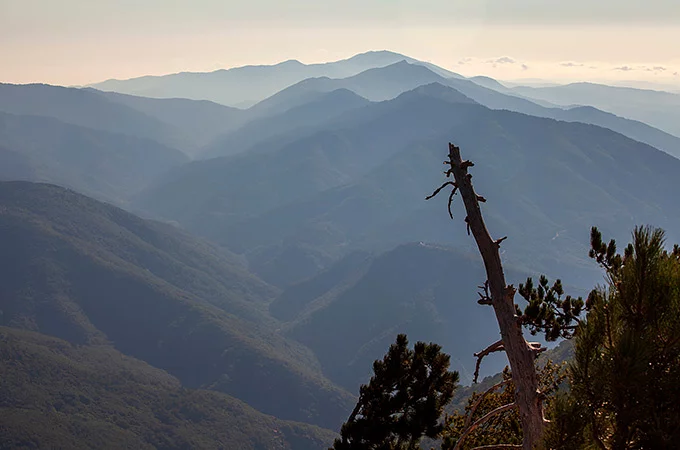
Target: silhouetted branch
[(497, 447), (495, 347), (485, 298), (439, 189)]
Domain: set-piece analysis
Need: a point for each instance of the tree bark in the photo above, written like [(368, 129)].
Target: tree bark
[(520, 354)]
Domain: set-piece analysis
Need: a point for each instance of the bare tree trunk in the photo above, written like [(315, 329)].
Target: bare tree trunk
[(520, 353)]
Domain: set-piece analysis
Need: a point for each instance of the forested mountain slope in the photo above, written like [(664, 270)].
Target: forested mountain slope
[(90, 273), (54, 394)]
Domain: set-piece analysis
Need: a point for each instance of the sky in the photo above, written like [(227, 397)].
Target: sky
[(76, 42)]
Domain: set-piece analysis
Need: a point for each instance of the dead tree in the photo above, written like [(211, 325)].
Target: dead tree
[(521, 354)]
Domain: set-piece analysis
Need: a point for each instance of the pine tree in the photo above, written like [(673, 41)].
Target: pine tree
[(403, 400), (625, 377), (629, 340)]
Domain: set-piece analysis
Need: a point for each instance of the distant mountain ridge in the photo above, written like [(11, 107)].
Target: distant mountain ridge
[(84, 108), (386, 83), (103, 164), (244, 86), (656, 108)]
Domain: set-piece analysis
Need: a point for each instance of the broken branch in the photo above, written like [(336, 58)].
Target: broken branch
[(453, 192), (495, 347), (439, 189), (465, 164), (496, 447), (485, 418), (485, 298), (481, 398)]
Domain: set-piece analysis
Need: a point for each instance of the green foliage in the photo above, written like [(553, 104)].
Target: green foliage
[(57, 395), (624, 377), (403, 401), (503, 428), (547, 311)]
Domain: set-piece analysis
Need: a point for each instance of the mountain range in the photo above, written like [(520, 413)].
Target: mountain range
[(337, 189), (388, 82), (214, 260), (657, 108), (245, 86)]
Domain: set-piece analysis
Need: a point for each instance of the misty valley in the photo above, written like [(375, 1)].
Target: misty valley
[(215, 260)]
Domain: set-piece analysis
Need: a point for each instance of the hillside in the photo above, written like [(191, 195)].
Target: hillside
[(110, 166), (84, 271), (85, 108), (363, 183), (425, 291), (197, 122), (57, 395), (283, 119)]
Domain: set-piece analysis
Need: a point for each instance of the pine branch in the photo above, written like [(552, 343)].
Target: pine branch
[(485, 418), (481, 398)]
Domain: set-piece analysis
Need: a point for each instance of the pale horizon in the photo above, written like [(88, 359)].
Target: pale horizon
[(78, 43)]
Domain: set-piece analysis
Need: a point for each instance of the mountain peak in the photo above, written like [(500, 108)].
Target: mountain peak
[(438, 91), (290, 62), (377, 55), (404, 68)]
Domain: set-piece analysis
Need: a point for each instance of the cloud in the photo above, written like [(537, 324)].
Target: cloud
[(503, 60), (655, 69), (525, 67), (464, 61), (676, 74), (571, 64)]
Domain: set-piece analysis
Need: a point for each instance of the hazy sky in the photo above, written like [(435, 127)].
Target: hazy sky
[(82, 41)]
